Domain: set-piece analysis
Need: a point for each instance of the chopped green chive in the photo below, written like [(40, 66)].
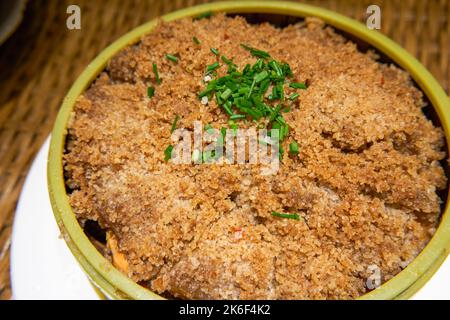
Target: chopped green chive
[(294, 216), (227, 108), (294, 96), (287, 70), (242, 93), (226, 60), (265, 84), (280, 119), (171, 57), (225, 94), (298, 85), (276, 126), (260, 53), (261, 76), (276, 67), (234, 126), (150, 91), (284, 131), (251, 88), (213, 66), (223, 132), (195, 39), (293, 148), (155, 71), (280, 151), (258, 65), (168, 153), (215, 51), (237, 116), (243, 96), (174, 124), (275, 112), (255, 52), (220, 139)]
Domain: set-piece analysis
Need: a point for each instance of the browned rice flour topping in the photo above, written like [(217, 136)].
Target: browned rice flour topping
[(364, 183)]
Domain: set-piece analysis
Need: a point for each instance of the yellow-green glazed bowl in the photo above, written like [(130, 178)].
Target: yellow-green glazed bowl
[(112, 282)]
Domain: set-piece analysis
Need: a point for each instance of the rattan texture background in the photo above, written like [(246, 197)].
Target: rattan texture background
[(39, 63)]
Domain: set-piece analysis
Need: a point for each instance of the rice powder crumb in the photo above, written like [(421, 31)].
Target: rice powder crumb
[(364, 184)]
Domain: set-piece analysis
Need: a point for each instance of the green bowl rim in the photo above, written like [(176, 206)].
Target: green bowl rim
[(118, 286)]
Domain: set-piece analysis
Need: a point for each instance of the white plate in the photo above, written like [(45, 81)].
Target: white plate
[(42, 266)]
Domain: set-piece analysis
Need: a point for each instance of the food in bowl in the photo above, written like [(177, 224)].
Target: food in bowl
[(358, 179)]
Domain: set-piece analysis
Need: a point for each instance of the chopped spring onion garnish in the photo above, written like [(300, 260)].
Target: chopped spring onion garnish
[(215, 51), (275, 113), (261, 76), (237, 116), (234, 126), (168, 153), (294, 96), (255, 52), (243, 94), (151, 91), (280, 152), (293, 148), (155, 71), (174, 124), (226, 60), (294, 216), (225, 94), (298, 85), (228, 109), (213, 66), (171, 57), (284, 131), (276, 67), (195, 39), (258, 92), (223, 133)]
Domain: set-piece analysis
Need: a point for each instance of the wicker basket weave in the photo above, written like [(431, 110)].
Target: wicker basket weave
[(43, 58)]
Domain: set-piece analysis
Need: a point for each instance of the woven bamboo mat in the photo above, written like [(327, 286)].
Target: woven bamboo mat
[(41, 60)]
